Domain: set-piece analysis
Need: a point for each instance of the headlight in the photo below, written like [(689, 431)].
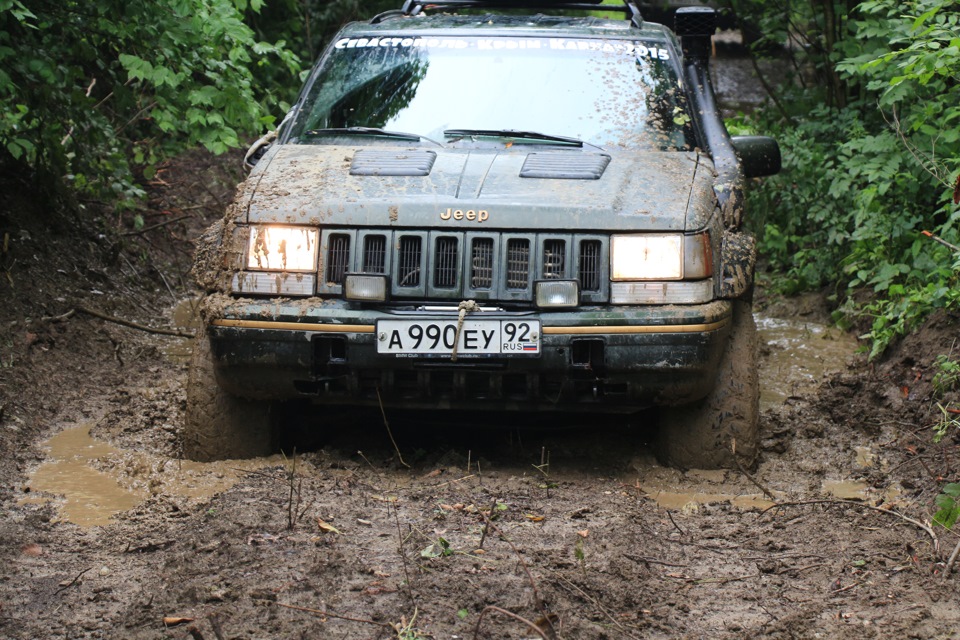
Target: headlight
[(646, 257), (669, 256), (282, 248)]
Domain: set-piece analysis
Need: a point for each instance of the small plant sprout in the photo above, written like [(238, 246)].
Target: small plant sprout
[(947, 376), (440, 548), (946, 422), (406, 630)]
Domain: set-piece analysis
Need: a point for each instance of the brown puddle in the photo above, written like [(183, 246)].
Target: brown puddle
[(95, 481), (90, 497), (798, 356), (666, 487)]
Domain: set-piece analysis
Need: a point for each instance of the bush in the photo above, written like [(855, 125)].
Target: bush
[(99, 91), (871, 160)]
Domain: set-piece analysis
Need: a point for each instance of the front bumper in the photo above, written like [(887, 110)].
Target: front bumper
[(618, 358)]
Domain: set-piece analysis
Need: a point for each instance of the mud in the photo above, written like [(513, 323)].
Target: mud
[(442, 526)]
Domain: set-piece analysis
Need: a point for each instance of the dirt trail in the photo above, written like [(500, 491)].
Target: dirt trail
[(462, 531)]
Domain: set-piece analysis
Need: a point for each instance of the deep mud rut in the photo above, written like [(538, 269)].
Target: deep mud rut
[(438, 527)]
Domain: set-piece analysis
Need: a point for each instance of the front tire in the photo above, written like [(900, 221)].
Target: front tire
[(218, 425), (702, 434)]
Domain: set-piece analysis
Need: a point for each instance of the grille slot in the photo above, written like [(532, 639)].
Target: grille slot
[(590, 265), (481, 264), (374, 254), (409, 256), (554, 259), (518, 263), (445, 262), (338, 257)]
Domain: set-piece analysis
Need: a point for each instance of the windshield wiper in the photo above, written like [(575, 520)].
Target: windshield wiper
[(368, 131), (513, 133)]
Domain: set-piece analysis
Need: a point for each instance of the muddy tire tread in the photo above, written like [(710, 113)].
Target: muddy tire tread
[(700, 435), (218, 425)]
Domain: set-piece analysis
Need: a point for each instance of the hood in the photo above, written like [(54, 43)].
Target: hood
[(540, 187)]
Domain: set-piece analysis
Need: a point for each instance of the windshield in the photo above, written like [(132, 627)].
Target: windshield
[(606, 93)]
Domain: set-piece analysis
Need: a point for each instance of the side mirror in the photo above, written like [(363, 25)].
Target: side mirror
[(257, 149), (759, 155)]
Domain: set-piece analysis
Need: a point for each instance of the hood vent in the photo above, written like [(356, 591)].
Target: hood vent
[(374, 162), (565, 166)]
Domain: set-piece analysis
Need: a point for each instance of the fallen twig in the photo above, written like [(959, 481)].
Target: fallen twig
[(127, 323), (854, 503), (746, 474), (60, 318), (846, 588), (952, 560), (389, 432), (646, 560), (403, 555), (675, 525), (74, 581), (137, 232)]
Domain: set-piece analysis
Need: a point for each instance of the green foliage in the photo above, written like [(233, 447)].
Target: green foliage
[(871, 144), (948, 504), (99, 92), (947, 376)]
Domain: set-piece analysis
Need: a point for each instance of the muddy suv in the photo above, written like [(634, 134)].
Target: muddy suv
[(480, 210)]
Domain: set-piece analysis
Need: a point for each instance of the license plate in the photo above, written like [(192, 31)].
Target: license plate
[(477, 337)]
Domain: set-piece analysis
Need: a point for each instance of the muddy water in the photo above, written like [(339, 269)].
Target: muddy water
[(89, 496), (91, 481), (797, 356)]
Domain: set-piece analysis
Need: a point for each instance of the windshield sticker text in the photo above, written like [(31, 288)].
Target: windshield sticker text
[(499, 44)]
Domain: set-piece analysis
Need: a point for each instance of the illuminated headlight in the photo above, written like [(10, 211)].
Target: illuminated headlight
[(646, 257), (668, 256), (282, 248), (365, 288), (554, 294)]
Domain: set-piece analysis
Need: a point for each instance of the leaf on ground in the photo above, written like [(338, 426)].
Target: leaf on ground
[(326, 527)]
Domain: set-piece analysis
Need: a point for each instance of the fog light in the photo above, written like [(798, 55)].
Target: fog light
[(365, 288), (557, 294)]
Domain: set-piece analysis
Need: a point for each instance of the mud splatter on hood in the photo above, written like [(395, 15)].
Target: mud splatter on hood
[(306, 184)]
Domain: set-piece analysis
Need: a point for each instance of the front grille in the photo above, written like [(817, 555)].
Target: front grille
[(459, 265)]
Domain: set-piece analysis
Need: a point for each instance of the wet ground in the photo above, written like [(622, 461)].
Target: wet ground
[(81, 480)]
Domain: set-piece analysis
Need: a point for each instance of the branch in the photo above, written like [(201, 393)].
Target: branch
[(127, 323)]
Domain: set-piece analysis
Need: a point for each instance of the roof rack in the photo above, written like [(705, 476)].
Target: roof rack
[(414, 7)]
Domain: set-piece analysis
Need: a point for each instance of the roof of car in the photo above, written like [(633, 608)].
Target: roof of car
[(493, 24)]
